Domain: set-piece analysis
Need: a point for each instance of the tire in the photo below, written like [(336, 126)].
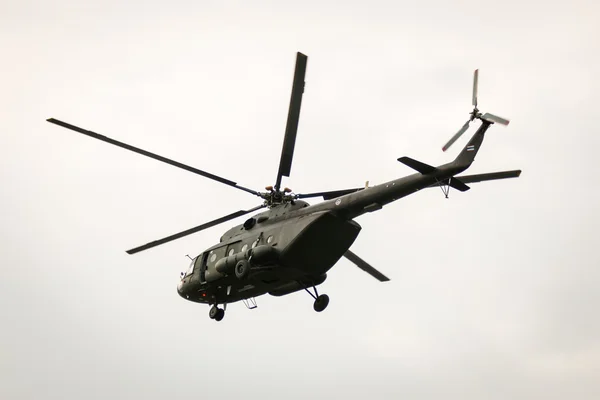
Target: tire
[(220, 315), (242, 269), (214, 311), (321, 303)]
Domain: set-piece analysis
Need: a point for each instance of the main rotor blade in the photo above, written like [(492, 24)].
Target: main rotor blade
[(365, 266), (151, 155), (193, 230), (475, 85), (332, 194), (456, 136), (289, 140), (494, 118)]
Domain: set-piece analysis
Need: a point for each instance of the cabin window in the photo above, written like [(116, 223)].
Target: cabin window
[(270, 239), (231, 252)]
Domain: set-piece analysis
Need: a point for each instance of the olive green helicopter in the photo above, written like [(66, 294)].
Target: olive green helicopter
[(292, 245)]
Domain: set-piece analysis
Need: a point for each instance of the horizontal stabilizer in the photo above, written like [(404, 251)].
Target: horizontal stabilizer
[(458, 185), (365, 266), (459, 182), (417, 165), (490, 176)]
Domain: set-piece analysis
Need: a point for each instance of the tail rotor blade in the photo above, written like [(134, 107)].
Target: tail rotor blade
[(475, 84), (494, 118), (456, 136), (475, 114)]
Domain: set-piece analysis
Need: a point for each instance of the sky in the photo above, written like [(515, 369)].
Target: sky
[(493, 292)]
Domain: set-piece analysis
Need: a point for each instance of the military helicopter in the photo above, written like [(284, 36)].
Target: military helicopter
[(291, 246)]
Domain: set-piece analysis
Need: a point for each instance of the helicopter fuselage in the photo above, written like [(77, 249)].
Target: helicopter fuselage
[(291, 246)]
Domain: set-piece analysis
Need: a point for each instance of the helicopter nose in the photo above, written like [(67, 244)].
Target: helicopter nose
[(180, 288)]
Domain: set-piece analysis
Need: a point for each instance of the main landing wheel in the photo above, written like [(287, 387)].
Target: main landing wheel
[(216, 313), (321, 303)]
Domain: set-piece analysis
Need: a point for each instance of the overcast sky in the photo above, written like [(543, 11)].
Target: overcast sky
[(494, 293)]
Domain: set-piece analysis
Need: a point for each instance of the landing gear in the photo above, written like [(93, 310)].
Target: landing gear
[(216, 313), (321, 302)]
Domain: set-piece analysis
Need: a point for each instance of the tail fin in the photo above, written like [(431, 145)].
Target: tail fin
[(467, 155)]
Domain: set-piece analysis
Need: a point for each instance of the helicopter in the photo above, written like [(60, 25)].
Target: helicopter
[(292, 245)]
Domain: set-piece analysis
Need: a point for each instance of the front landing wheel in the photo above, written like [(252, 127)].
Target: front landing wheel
[(321, 303), (216, 313)]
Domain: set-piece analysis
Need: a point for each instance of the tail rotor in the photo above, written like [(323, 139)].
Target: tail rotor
[(475, 114)]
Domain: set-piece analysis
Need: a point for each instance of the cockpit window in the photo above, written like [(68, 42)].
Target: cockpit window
[(191, 268)]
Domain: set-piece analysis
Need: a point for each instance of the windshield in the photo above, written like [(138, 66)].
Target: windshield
[(191, 268)]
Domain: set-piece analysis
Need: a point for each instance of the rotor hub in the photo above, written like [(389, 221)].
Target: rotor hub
[(275, 197)]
